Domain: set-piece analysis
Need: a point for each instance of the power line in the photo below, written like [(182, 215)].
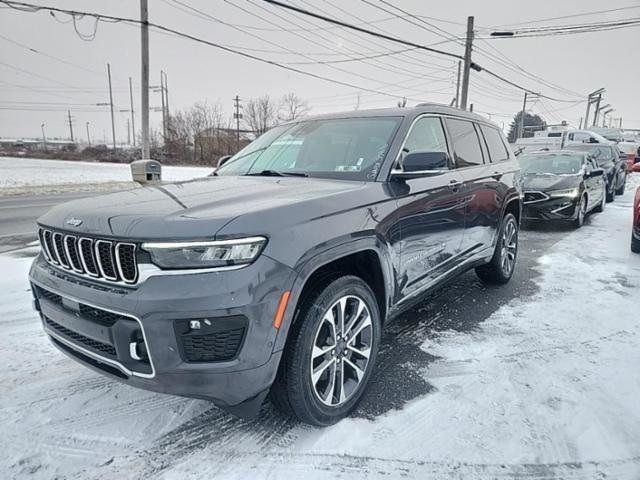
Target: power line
[(363, 30), (27, 7), (574, 15)]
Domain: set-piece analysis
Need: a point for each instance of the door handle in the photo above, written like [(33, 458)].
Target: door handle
[(454, 185)]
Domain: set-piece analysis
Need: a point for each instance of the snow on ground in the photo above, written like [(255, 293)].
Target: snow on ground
[(546, 387), (29, 172)]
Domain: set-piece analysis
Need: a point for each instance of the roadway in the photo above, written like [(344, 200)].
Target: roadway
[(18, 216)]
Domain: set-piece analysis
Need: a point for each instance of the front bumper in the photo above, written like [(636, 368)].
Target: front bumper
[(232, 362), (551, 209)]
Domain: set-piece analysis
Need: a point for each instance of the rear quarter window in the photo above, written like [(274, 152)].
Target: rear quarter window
[(495, 144)]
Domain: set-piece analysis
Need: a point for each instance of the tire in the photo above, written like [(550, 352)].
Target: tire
[(495, 272), (610, 196), (582, 212), (318, 402), (603, 202), (620, 191), (635, 244)]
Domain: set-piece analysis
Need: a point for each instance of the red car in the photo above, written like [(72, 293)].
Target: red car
[(635, 233)]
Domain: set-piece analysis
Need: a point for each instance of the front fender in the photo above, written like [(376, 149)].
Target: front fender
[(322, 256)]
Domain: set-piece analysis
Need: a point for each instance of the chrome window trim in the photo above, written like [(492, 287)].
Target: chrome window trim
[(66, 249), (96, 251), (89, 353), (82, 259), (119, 266), (55, 247)]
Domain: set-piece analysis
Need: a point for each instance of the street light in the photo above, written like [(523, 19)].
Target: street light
[(44, 138)]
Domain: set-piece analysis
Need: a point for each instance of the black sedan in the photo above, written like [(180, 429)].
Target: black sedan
[(608, 158), (561, 185)]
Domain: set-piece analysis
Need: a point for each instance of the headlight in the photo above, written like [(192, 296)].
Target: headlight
[(208, 254), (570, 193)]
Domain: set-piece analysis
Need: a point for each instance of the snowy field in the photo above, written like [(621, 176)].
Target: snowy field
[(546, 387), (28, 172)]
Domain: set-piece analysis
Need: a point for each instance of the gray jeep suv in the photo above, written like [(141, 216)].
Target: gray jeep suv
[(277, 274)]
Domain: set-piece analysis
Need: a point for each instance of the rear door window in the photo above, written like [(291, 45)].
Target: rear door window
[(466, 143), (497, 149)]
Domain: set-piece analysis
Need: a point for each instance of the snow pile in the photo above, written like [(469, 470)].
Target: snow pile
[(546, 387), (28, 172)]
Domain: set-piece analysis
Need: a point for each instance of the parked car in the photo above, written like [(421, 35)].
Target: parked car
[(608, 158), (278, 273), (561, 185), (635, 232)]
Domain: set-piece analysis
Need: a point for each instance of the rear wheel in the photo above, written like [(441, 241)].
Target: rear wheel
[(620, 191), (635, 244), (500, 268), (331, 352), (603, 202), (611, 195)]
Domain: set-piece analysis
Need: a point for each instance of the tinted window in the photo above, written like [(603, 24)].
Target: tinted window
[(346, 148), (497, 149), (466, 144), (426, 134)]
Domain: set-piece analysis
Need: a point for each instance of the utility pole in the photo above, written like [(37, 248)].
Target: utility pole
[(70, 125), (595, 115), (458, 85), (591, 99), (44, 137), (113, 122), (237, 115), (128, 132), (164, 110), (467, 63), (166, 98), (133, 118), (144, 55), (88, 137), (524, 107)]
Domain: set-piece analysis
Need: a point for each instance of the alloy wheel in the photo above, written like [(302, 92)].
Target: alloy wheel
[(341, 350), (509, 248), (583, 211)]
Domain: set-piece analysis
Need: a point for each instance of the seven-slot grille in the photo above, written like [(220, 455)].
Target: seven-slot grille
[(96, 258)]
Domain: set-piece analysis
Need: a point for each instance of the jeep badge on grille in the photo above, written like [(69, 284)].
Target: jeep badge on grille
[(73, 221)]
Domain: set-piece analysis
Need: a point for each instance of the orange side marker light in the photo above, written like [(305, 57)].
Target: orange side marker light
[(282, 306)]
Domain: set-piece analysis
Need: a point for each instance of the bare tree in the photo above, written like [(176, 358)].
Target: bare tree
[(292, 107), (260, 114)]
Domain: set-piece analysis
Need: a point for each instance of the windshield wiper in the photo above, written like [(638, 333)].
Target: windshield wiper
[(276, 173)]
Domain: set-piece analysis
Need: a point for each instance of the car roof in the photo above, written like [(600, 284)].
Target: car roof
[(419, 109)]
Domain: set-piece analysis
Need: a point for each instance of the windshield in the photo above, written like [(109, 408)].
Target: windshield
[(556, 164), (601, 153), (346, 148)]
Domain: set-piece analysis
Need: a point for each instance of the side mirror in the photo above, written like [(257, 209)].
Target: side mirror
[(421, 163), (596, 172), (222, 160)]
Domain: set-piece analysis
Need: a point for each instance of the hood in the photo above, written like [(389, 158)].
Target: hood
[(194, 209), (543, 183)]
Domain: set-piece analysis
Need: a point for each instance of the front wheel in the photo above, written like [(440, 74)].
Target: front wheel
[(331, 352), (500, 268), (582, 212)]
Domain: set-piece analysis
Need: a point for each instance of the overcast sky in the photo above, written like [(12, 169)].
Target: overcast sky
[(37, 88)]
